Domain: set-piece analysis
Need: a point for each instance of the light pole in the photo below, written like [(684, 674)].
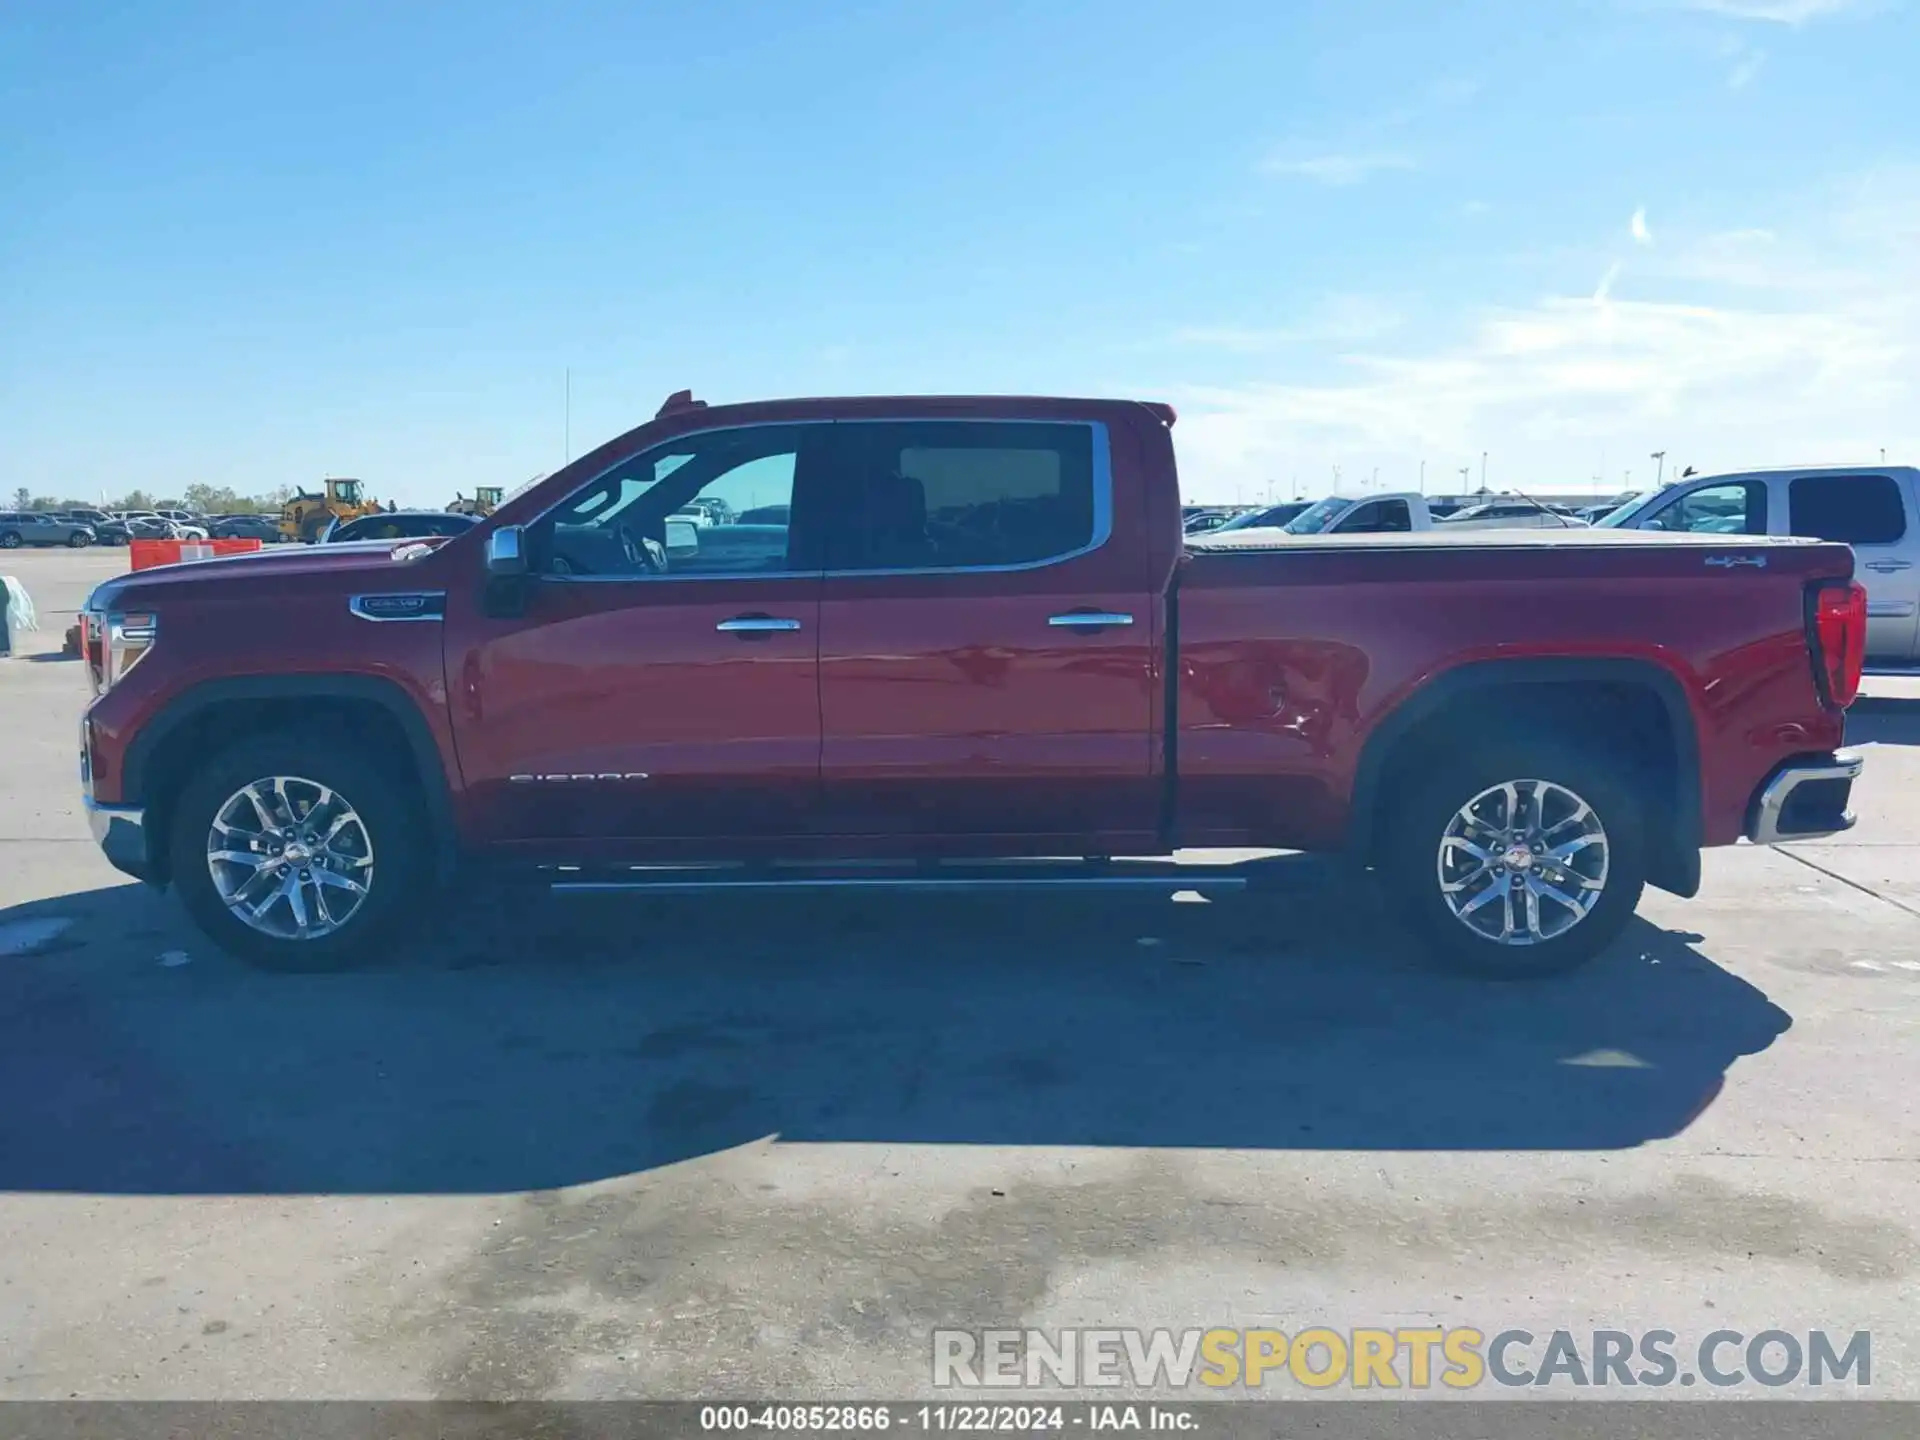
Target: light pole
[(1483, 471), (1660, 474), (1423, 477)]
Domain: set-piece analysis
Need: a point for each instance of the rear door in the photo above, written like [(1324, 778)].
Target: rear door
[(1872, 512), (986, 648)]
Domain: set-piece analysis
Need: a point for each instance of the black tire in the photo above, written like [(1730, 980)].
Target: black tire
[(77, 541), (9, 539), (1411, 849), (387, 802)]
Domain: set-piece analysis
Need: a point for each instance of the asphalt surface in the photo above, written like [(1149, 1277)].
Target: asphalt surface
[(683, 1149)]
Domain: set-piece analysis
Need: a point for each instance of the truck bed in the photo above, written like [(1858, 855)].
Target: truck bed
[(1293, 652)]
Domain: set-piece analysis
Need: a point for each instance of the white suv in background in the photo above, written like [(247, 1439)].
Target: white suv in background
[(1873, 508)]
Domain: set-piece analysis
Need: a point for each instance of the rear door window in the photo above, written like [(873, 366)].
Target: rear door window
[(1856, 509), (962, 495)]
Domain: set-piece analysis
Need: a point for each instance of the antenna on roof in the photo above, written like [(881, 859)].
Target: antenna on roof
[(678, 401)]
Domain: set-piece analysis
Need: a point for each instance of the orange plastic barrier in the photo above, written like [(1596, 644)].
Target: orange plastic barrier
[(146, 553)]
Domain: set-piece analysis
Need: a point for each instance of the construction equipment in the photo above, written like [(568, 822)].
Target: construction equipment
[(306, 515), (486, 499)]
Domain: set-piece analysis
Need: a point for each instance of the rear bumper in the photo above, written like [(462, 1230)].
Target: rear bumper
[(1804, 799), (121, 833)]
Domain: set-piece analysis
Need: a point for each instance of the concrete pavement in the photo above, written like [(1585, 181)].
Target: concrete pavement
[(677, 1149)]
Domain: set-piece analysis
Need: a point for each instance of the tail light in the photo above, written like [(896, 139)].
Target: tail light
[(1839, 640)]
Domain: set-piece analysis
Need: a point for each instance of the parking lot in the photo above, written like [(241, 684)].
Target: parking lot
[(687, 1149)]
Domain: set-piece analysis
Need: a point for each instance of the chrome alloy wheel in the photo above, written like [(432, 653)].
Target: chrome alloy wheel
[(290, 857), (1523, 862)]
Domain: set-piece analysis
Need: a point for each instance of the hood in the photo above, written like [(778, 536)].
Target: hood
[(270, 569)]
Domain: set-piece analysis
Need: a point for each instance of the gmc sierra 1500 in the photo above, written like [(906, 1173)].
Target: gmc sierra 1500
[(943, 633)]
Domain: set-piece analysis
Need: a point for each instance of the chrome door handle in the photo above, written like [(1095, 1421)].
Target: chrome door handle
[(1089, 619), (1886, 567), (755, 624)]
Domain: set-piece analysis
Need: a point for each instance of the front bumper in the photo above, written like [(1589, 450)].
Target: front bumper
[(1805, 799), (121, 833)]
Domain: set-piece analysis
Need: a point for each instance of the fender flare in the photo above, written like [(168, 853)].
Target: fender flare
[(197, 699), (1676, 856)]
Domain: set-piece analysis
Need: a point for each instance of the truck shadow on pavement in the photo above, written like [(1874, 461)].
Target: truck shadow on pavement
[(1883, 720), (531, 1044)]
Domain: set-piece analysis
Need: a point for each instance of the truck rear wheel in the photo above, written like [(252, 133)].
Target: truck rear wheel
[(294, 856), (1526, 859)]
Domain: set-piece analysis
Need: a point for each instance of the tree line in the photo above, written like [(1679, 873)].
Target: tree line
[(202, 499)]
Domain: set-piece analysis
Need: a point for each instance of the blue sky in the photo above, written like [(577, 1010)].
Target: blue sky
[(256, 244)]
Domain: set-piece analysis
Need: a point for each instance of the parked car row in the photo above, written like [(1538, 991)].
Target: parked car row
[(32, 527), (1384, 514), (81, 527)]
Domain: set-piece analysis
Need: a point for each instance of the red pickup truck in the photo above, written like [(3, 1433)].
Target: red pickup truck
[(923, 642)]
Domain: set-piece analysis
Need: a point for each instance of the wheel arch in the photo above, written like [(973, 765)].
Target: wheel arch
[(212, 713), (1533, 689)]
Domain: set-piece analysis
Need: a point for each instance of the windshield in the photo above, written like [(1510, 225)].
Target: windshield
[(1317, 516), (1260, 519), (1624, 511)]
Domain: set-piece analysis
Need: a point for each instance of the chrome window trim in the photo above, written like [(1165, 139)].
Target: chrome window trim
[(1102, 505)]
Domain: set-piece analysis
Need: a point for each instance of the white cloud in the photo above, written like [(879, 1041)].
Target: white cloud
[(1337, 169), (1338, 318), (1638, 227), (1779, 12), (1746, 69), (1745, 347)]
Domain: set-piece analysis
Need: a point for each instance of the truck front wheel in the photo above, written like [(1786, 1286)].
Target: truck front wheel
[(294, 856), (1519, 860)]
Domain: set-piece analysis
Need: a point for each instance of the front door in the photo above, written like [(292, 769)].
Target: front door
[(663, 682), (986, 655)]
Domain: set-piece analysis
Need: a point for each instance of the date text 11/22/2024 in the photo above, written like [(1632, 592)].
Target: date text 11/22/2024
[(963, 1418)]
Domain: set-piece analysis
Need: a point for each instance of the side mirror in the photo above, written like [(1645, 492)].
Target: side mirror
[(506, 551), (683, 538)]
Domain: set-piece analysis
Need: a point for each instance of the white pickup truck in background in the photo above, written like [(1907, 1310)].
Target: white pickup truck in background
[(1873, 508), (1408, 511)]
